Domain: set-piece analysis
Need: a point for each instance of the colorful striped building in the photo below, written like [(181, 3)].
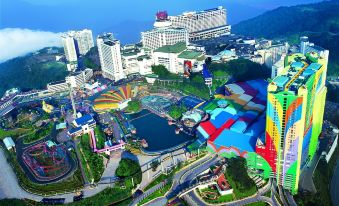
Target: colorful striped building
[(295, 108), (280, 136), (114, 99)]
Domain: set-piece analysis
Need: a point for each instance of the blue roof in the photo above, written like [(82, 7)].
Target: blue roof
[(241, 141), (205, 73), (281, 80), (221, 118), (74, 130), (297, 65), (260, 85), (314, 66), (86, 119)]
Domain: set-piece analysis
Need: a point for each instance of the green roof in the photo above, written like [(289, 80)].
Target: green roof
[(190, 55), (151, 75), (176, 48), (130, 53)]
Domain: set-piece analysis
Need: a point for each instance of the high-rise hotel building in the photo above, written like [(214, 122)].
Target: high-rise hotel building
[(203, 24), (69, 48), (83, 40), (77, 43), (295, 108), (110, 57)]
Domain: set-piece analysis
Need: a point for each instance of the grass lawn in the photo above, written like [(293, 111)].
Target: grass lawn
[(88, 173), (156, 181), (156, 194), (109, 196), (94, 161), (100, 137), (268, 194)]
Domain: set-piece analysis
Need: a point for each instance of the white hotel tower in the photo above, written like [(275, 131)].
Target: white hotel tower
[(77, 43), (163, 33), (110, 57), (69, 48), (204, 24)]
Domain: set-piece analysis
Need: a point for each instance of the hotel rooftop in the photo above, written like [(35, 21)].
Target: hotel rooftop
[(298, 70)]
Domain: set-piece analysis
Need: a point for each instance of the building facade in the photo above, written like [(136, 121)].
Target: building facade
[(69, 48), (110, 57), (76, 80), (136, 60), (83, 40), (203, 24), (159, 37), (295, 108), (77, 43), (178, 58)]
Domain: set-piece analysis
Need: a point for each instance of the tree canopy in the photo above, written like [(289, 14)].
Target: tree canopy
[(129, 168), (176, 111), (237, 170), (163, 73), (133, 106), (240, 70)]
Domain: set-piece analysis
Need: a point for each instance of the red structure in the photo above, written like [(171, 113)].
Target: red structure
[(46, 162), (162, 15)]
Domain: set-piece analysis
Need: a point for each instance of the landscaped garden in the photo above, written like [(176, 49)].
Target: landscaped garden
[(100, 137), (39, 134), (91, 162), (211, 195)]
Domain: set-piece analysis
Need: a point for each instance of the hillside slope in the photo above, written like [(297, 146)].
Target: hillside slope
[(32, 71), (319, 21)]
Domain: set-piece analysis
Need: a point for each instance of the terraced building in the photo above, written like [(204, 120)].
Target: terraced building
[(295, 108)]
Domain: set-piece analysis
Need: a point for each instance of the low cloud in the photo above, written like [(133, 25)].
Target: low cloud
[(16, 42)]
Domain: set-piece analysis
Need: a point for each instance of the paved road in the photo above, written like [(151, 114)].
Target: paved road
[(194, 199), (335, 185), (9, 187), (181, 178)]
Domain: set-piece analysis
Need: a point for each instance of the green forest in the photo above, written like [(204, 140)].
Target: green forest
[(32, 71)]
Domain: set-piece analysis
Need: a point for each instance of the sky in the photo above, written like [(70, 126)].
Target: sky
[(124, 18)]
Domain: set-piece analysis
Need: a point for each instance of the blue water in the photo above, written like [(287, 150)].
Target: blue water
[(156, 131)]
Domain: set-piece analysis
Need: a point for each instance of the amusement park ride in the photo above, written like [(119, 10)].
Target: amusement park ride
[(47, 161)]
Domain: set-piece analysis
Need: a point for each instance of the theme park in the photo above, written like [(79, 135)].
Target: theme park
[(186, 128), (85, 137)]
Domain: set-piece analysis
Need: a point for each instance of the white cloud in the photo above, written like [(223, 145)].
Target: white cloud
[(16, 42)]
